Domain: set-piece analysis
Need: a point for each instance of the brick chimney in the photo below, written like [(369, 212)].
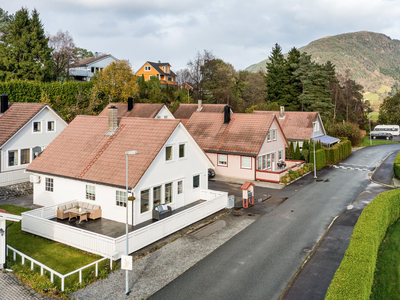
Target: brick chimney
[(112, 119), (199, 105), (282, 112), (4, 103)]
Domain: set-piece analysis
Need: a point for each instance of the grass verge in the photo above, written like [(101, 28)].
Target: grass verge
[(365, 142), (57, 256), (387, 277)]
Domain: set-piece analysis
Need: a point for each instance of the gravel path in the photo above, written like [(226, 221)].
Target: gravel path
[(155, 270)]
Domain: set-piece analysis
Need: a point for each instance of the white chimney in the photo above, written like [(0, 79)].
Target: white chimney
[(282, 112), (112, 119), (199, 105)]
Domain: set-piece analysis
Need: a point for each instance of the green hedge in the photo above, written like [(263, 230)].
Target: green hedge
[(396, 166), (355, 275), (338, 152), (319, 157)]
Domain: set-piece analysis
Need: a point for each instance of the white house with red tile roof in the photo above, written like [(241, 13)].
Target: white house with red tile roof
[(246, 146), (25, 130), (87, 162), (5, 216), (85, 68), (140, 110), (298, 126)]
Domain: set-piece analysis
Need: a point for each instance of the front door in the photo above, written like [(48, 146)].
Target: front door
[(273, 161)]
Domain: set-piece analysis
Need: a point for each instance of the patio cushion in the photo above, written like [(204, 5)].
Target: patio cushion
[(85, 204), (69, 205), (96, 207), (90, 206), (62, 207), (75, 203), (90, 211)]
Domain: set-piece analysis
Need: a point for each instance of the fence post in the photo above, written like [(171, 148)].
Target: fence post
[(14, 256), (62, 284), (97, 268), (23, 259), (41, 270), (52, 277), (80, 276), (31, 264)]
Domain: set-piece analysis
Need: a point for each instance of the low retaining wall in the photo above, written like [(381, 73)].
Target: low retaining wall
[(16, 190)]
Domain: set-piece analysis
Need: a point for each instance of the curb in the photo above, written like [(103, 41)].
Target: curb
[(380, 183)]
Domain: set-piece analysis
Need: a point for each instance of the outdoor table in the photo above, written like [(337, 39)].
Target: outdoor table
[(73, 213)]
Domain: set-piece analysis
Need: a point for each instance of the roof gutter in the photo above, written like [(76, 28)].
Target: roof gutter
[(228, 152)]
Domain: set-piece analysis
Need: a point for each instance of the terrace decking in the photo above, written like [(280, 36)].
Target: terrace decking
[(112, 228)]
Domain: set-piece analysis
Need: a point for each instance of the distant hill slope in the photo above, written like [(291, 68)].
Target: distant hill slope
[(373, 58)]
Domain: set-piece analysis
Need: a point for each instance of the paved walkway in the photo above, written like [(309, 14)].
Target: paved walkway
[(12, 289), (384, 174)]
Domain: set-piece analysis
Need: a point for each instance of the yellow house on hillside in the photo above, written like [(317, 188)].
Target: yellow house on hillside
[(160, 70)]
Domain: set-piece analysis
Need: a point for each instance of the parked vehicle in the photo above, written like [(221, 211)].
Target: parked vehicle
[(393, 129), (382, 135), (211, 173)]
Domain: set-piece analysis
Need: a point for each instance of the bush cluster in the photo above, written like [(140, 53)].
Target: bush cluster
[(396, 166), (355, 275), (338, 152), (320, 158), (349, 130), (292, 175)]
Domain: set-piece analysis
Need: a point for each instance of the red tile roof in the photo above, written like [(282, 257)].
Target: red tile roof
[(84, 151), (140, 110), (15, 117), (245, 133), (246, 185), (185, 111), (297, 125)]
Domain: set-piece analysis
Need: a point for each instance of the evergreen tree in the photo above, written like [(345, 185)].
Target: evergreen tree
[(297, 154), (24, 50), (290, 153), (292, 85), (275, 75)]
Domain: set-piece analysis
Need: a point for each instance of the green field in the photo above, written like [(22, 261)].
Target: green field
[(374, 116), (387, 276), (384, 89), (366, 142)]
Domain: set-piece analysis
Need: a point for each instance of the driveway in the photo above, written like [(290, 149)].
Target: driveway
[(259, 262)]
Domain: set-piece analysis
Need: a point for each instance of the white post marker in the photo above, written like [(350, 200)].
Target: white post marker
[(126, 262), (315, 163)]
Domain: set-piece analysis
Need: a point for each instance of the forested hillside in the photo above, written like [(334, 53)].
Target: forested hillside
[(373, 58)]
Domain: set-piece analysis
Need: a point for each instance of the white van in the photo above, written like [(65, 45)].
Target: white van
[(393, 129)]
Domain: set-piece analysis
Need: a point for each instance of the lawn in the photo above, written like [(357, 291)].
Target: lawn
[(365, 142), (374, 116), (57, 256), (387, 276)]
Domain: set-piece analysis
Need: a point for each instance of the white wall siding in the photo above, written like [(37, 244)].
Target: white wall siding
[(165, 113)]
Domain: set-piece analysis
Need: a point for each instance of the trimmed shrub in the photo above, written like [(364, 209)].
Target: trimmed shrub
[(297, 154), (355, 275), (348, 130), (396, 166), (319, 157)]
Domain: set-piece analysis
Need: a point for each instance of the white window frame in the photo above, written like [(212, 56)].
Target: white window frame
[(165, 193), (120, 198), (280, 155), (88, 193), (316, 127), (16, 158), (184, 150), (149, 190), (47, 126), (222, 164), (181, 190), (241, 162), (29, 156), (33, 127), (172, 153), (269, 136), (194, 175), (49, 184), (147, 68), (274, 134)]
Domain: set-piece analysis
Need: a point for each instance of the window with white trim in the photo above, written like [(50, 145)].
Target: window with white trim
[(274, 134), (49, 184), (259, 165), (196, 181), (246, 162), (316, 127), (120, 198), (156, 196), (12, 158), (180, 187), (269, 136), (168, 153), (25, 156), (182, 151), (37, 126), (268, 161), (90, 192), (280, 154), (51, 126), (147, 68), (144, 200), (222, 160), (168, 193)]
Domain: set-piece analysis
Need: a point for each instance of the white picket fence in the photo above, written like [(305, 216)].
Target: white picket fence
[(37, 222), (51, 271), (13, 177)]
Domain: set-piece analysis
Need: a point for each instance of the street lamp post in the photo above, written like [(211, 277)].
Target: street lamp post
[(315, 163), (127, 153), (370, 141)]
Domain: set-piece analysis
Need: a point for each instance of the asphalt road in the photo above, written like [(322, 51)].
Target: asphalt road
[(259, 261)]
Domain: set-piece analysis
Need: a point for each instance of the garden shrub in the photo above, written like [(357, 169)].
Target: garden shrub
[(396, 166), (347, 130), (319, 157), (355, 275)]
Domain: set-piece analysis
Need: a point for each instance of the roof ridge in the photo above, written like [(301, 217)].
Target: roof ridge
[(101, 151)]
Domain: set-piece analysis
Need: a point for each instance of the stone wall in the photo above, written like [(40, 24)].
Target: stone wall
[(15, 190)]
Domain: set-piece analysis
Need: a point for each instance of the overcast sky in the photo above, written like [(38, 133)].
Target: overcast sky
[(239, 32)]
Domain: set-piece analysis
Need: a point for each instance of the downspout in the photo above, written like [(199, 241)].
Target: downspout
[(255, 166), (5, 263)]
